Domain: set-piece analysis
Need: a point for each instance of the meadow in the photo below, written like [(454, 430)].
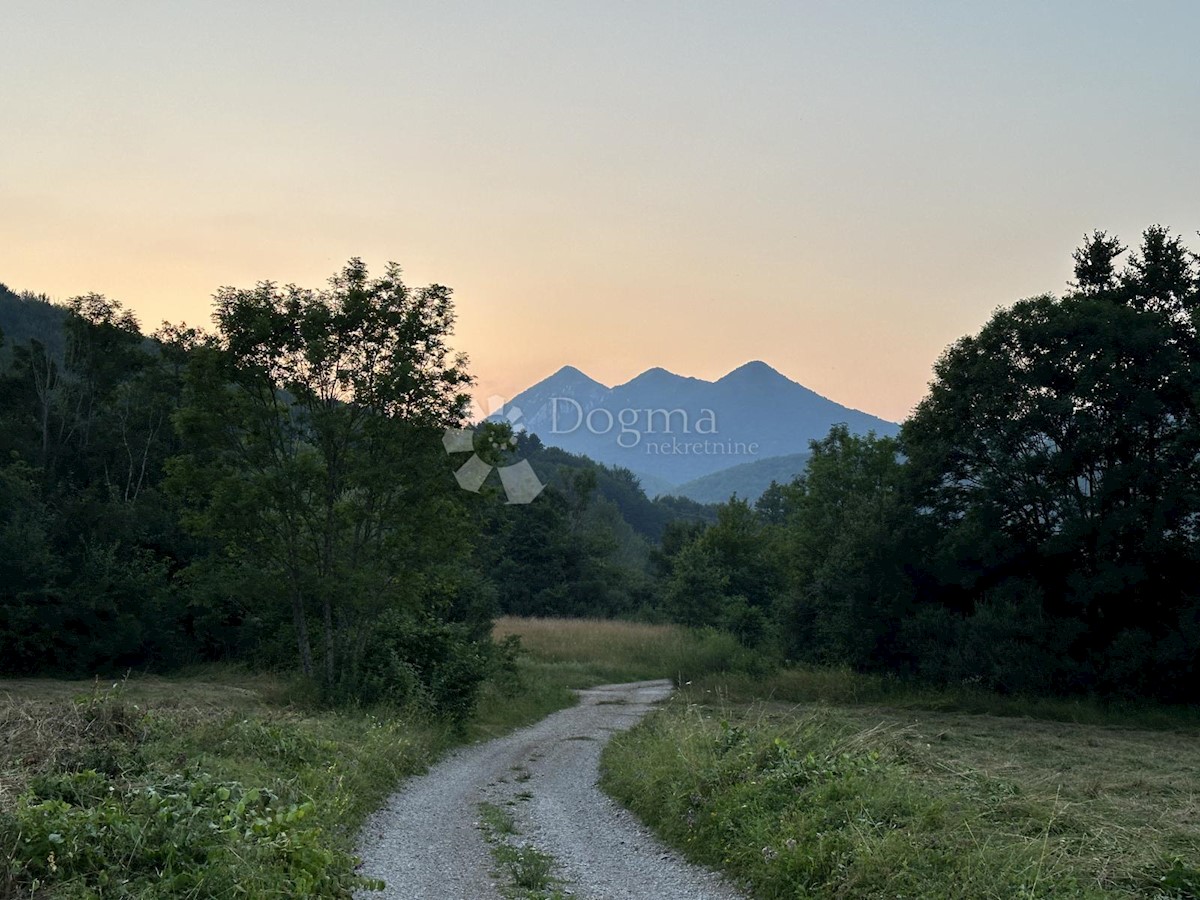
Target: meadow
[(822, 783), (223, 781), (797, 782)]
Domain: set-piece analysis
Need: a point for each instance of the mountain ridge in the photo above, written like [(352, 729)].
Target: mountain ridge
[(677, 428)]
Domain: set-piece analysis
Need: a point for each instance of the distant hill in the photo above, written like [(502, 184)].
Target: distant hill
[(670, 429), (620, 487), (26, 316), (748, 480)]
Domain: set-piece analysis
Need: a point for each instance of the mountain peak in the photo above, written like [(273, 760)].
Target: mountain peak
[(756, 370), (656, 376), (573, 375)]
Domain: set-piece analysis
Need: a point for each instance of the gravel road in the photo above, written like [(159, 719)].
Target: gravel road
[(427, 841)]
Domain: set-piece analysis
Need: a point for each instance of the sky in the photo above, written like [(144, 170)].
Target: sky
[(840, 189)]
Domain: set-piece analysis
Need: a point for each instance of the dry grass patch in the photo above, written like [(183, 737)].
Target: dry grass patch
[(51, 725), (1125, 799), (586, 652)]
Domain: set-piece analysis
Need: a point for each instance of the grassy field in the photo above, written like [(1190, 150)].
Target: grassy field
[(827, 784), (219, 783), (225, 782), (801, 782), (583, 652)]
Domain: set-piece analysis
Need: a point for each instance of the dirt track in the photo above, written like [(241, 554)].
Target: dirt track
[(427, 842)]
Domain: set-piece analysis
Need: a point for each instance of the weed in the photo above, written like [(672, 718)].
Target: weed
[(528, 873), (496, 819)]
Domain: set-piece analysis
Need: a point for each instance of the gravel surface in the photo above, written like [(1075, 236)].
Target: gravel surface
[(426, 841)]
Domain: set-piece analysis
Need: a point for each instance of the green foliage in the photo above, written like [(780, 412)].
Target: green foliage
[(568, 553), (179, 835), (225, 784), (1031, 530), (1059, 447), (427, 663), (312, 447), (724, 576)]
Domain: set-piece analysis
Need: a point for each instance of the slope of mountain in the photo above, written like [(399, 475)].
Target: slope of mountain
[(25, 316), (748, 480), (674, 429)]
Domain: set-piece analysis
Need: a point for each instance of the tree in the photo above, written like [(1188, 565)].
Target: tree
[(310, 429), (723, 575), (1061, 446), (844, 521)]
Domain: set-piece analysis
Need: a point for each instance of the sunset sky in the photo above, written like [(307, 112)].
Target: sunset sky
[(838, 189)]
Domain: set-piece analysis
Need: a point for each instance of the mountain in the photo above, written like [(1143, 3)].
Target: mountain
[(671, 429), (748, 480)]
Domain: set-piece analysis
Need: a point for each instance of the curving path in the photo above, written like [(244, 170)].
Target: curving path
[(426, 842)]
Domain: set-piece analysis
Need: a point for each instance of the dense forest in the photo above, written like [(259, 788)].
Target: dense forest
[(276, 491)]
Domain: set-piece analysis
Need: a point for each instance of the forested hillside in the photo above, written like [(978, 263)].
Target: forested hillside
[(25, 317)]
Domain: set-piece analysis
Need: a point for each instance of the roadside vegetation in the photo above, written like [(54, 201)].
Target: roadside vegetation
[(223, 783)]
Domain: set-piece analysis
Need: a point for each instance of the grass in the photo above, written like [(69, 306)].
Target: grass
[(99, 780), (801, 782), (528, 873), (584, 652), (824, 783), (102, 782), (843, 800), (808, 684)]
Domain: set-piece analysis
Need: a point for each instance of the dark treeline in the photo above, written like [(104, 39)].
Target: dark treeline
[(1034, 528), (277, 492)]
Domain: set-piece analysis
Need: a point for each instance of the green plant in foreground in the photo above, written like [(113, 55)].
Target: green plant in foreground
[(527, 871), (207, 788), (181, 835)]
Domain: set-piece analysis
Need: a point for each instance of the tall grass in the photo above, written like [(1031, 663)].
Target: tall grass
[(582, 652)]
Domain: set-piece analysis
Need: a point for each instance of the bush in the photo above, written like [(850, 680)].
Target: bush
[(421, 661)]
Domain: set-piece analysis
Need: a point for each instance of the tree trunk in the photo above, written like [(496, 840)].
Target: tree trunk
[(301, 624), (327, 610)]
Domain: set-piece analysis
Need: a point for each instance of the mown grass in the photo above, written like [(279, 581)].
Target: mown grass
[(846, 796), (840, 686)]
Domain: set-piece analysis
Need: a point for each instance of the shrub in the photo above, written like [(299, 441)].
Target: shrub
[(418, 660)]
